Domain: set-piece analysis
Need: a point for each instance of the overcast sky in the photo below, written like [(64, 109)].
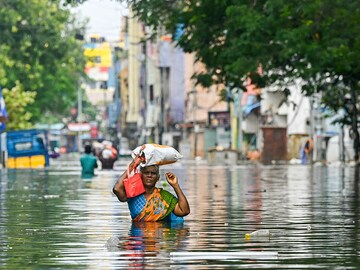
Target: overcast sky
[(105, 17)]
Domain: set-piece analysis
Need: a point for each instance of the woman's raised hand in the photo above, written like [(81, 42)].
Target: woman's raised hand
[(171, 178)]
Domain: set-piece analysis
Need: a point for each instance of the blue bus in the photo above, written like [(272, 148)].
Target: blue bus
[(27, 149)]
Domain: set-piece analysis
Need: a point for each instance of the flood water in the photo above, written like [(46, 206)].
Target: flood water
[(52, 219)]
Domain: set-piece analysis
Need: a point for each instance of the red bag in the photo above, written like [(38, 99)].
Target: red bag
[(133, 184)]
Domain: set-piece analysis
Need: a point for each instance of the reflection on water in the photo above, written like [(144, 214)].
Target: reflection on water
[(155, 236), (53, 219), (149, 240)]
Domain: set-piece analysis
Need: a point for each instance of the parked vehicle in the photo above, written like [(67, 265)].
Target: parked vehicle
[(27, 149)]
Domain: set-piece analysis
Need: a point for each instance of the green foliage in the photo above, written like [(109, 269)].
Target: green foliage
[(317, 41), (290, 39), (17, 101), (39, 52)]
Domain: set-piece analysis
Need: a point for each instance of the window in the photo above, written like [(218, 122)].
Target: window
[(103, 85), (151, 94), (23, 146), (97, 59)]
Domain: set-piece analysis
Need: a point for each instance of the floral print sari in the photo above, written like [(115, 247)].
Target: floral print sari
[(158, 206)]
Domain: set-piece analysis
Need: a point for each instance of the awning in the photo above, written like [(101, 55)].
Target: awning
[(248, 109), (79, 127), (251, 103)]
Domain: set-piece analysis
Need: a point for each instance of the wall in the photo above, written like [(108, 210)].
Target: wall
[(298, 112), (134, 64)]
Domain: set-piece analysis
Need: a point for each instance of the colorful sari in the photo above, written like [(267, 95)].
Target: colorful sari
[(158, 206)]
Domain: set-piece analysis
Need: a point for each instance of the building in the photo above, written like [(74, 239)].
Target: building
[(162, 104), (99, 89)]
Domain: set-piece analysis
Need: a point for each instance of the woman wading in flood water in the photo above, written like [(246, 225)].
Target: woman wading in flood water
[(156, 203)]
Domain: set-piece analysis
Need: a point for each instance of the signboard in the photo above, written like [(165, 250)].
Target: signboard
[(79, 127), (219, 119)]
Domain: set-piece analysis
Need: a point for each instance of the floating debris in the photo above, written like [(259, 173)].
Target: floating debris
[(225, 255), (51, 196)]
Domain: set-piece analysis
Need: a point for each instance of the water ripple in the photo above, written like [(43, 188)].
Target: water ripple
[(53, 219)]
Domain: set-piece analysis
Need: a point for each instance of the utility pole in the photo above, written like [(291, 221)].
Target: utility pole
[(195, 105), (79, 37), (164, 99), (105, 115), (79, 118), (162, 104), (312, 129), (146, 94), (196, 128), (240, 120)]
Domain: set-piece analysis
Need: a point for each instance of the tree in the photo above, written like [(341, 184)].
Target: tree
[(41, 54), (17, 101), (317, 41)]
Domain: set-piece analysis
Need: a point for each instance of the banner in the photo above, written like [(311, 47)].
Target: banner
[(3, 113)]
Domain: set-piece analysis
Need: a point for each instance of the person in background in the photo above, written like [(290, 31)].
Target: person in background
[(306, 151), (108, 155), (155, 204), (88, 163), (254, 155)]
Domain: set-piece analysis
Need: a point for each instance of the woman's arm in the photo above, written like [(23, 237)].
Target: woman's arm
[(119, 189), (182, 208)]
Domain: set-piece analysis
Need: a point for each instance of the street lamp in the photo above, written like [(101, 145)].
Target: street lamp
[(80, 37), (196, 127), (79, 116)]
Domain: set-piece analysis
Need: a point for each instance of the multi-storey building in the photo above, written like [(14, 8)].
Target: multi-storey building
[(161, 104), (99, 89)]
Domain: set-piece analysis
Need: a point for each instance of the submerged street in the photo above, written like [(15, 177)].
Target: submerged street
[(52, 219), (259, 99)]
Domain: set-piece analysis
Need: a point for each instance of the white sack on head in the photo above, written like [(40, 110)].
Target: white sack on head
[(156, 154)]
